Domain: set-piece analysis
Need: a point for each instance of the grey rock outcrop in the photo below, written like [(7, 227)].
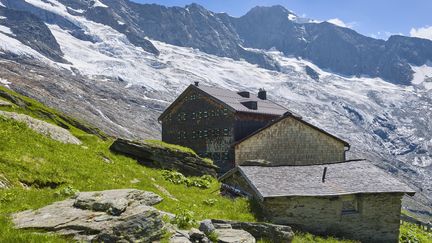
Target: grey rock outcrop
[(234, 236), (153, 155), (122, 215), (4, 182), (195, 235), (207, 226), (32, 31), (274, 233), (44, 128), (5, 103)]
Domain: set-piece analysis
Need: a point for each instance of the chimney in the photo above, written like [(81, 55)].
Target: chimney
[(244, 94), (324, 174), (262, 94), (196, 83)]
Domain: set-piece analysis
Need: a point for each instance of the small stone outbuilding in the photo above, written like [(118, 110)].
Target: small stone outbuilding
[(354, 199)]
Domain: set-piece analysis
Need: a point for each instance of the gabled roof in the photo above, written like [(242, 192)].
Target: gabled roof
[(234, 101), (298, 118), (344, 178)]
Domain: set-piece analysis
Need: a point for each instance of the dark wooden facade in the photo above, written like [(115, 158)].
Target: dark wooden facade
[(208, 126)]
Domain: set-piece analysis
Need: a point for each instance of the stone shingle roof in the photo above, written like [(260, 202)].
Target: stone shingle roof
[(345, 178), (234, 100)]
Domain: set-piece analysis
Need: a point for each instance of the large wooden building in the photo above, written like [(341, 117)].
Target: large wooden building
[(210, 120)]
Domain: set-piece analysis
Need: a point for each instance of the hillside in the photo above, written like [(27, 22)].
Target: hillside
[(37, 170)]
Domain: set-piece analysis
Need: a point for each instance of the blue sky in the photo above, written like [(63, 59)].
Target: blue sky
[(376, 18)]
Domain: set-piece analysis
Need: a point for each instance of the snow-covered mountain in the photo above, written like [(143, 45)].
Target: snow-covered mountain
[(117, 73)]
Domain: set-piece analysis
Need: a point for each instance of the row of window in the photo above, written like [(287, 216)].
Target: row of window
[(215, 156), (214, 133), (183, 116), (192, 97)]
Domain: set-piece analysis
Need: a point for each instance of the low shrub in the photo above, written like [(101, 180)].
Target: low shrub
[(175, 177), (210, 201), (184, 219), (66, 191)]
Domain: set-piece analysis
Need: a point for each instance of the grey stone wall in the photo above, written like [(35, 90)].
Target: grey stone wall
[(290, 142), (377, 218)]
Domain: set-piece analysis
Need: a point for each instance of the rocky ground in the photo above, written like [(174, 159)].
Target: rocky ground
[(128, 215), (165, 156)]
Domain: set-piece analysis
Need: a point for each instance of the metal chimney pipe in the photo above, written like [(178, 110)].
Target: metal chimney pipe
[(324, 174)]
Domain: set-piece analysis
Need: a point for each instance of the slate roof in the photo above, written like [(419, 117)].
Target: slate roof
[(353, 177), (233, 100)]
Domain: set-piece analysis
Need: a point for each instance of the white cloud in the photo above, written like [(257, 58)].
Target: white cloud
[(340, 23), (423, 32)]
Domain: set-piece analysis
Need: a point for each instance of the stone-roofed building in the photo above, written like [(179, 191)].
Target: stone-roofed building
[(352, 199), (209, 120)]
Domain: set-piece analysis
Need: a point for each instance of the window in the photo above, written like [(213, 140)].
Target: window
[(225, 112), (205, 114), (193, 134), (226, 131), (193, 115), (225, 156), (200, 134), (205, 133), (349, 205), (199, 115)]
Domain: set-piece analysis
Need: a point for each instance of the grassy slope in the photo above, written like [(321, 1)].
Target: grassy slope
[(30, 158)]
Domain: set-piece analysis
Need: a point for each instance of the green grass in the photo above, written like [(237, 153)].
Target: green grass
[(175, 148), (39, 169), (411, 233), (169, 146)]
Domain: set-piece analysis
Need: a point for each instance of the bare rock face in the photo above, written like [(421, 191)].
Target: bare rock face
[(159, 157), (44, 128), (5, 103), (234, 236), (122, 215)]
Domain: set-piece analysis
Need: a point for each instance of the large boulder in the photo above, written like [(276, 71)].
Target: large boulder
[(122, 215), (274, 233), (49, 130), (165, 157)]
